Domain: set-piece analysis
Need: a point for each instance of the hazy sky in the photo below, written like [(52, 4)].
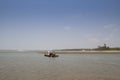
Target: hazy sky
[(59, 24)]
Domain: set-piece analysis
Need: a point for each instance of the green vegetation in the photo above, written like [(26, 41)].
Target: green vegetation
[(105, 47), (99, 48)]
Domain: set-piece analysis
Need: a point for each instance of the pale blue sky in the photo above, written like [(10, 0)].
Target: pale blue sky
[(59, 24)]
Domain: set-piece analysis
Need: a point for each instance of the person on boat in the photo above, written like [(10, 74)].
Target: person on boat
[(50, 53)]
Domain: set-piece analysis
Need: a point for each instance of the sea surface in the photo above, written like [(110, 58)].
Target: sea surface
[(35, 66)]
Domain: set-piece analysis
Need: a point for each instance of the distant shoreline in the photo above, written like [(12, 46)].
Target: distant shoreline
[(85, 52), (62, 52)]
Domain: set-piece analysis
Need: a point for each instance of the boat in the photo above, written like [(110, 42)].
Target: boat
[(51, 54)]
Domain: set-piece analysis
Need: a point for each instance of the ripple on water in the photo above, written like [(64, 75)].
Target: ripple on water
[(34, 66)]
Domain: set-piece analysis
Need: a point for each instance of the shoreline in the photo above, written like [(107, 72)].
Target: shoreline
[(62, 52), (87, 52)]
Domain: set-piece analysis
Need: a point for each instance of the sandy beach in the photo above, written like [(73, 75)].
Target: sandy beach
[(63, 52), (79, 52)]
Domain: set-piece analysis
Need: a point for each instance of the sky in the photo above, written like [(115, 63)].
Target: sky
[(59, 24)]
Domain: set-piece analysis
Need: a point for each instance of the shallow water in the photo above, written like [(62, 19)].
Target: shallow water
[(34, 66)]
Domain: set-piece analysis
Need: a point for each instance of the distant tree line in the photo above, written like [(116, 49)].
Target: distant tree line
[(104, 47)]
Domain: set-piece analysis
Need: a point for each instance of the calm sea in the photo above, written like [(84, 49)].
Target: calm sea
[(34, 66)]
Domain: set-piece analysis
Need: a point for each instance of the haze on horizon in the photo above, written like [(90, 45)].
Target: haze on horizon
[(59, 24)]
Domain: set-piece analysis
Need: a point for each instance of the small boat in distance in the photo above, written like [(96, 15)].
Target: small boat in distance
[(51, 54)]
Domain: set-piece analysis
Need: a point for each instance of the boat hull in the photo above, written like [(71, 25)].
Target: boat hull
[(51, 55)]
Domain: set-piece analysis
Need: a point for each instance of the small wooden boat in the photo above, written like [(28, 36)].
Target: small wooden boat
[(53, 55)]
